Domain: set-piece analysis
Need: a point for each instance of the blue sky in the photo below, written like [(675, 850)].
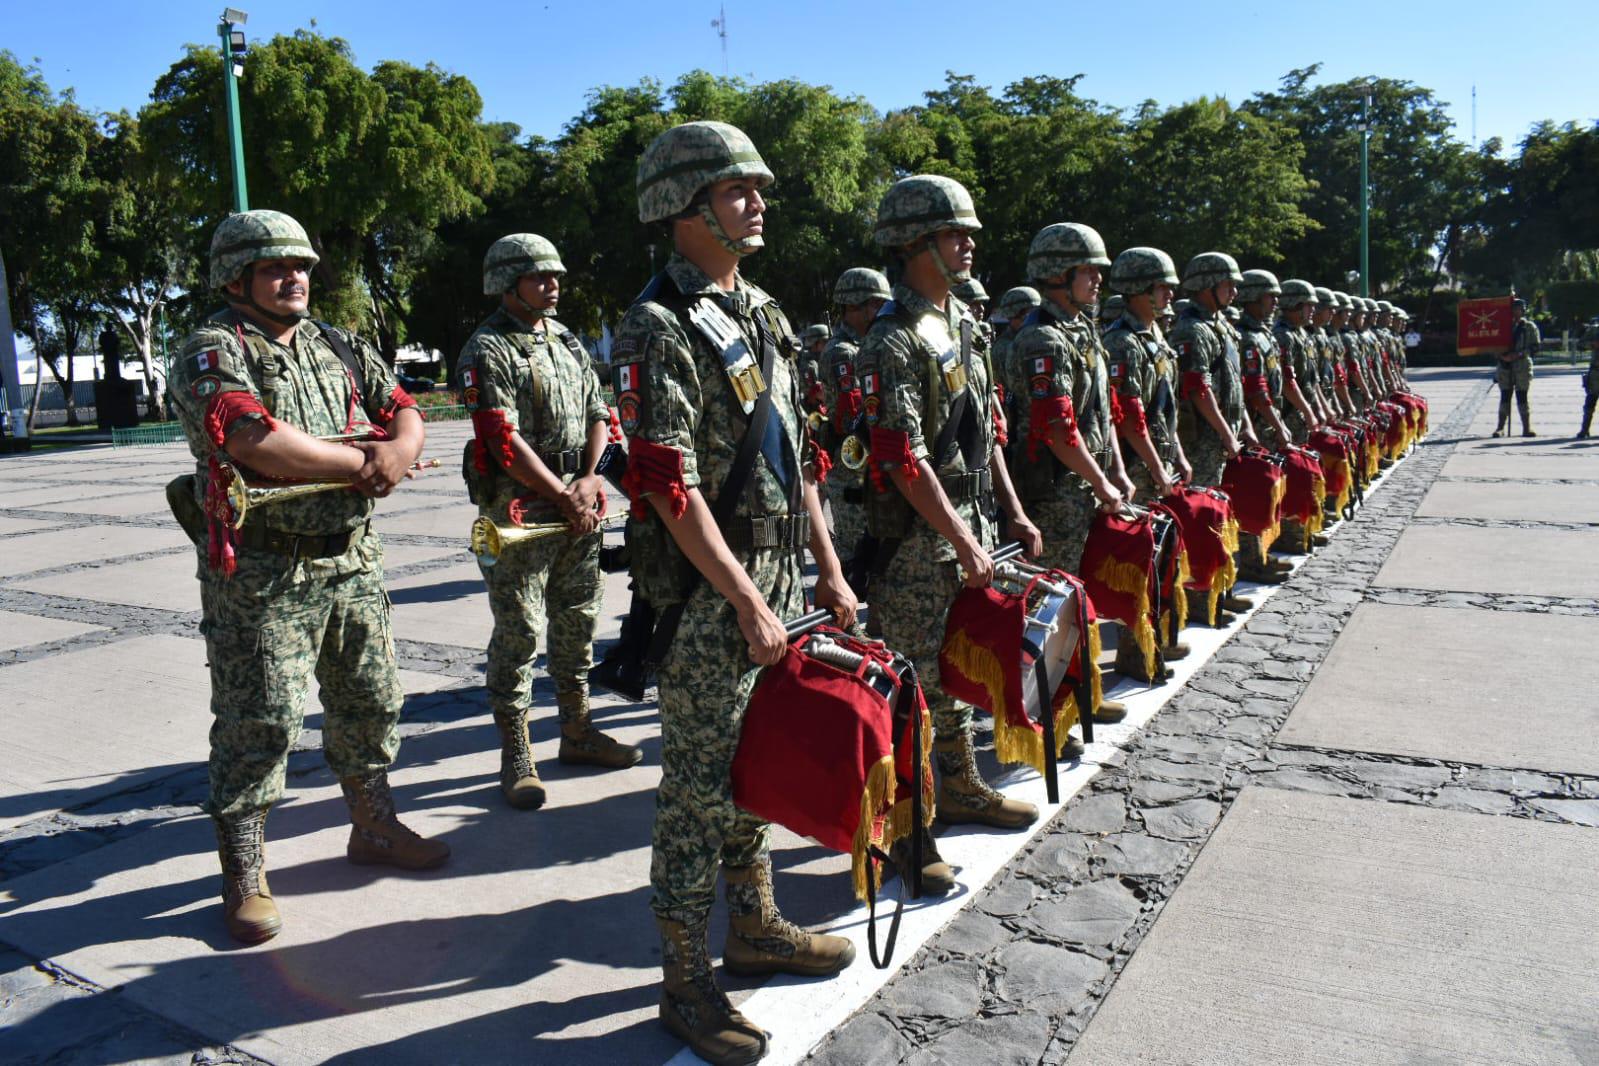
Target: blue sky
[(534, 62)]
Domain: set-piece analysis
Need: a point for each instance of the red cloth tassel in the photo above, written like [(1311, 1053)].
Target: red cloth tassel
[(616, 427), (847, 408), (222, 540), (226, 408), (1129, 410), (821, 462), (657, 468), (1044, 413), (1193, 384), (494, 435), (890, 448), (1001, 427), (399, 400)]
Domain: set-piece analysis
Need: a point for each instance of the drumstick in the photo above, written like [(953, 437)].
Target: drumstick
[(798, 627), (1006, 551)]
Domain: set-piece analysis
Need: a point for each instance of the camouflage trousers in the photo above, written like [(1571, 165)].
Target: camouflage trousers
[(1516, 374), (267, 629), (549, 584), (705, 684), (1207, 457), (849, 516), (911, 600), (1065, 519)]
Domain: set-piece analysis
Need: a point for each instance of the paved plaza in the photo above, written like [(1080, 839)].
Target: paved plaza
[(1360, 826)]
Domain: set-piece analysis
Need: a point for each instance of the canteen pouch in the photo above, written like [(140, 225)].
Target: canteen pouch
[(662, 573), (186, 508)]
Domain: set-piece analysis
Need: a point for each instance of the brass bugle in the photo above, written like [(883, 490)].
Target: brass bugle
[(489, 541), (244, 495), (852, 453)]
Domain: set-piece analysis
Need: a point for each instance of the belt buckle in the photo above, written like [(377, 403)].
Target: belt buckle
[(762, 533), (802, 530)]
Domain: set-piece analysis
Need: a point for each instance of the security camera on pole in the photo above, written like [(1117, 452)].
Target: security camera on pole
[(233, 53)]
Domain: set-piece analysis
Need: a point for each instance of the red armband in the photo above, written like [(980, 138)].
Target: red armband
[(1288, 373), (226, 408), (1128, 411), (1255, 385), (1044, 413), (494, 435), (814, 396), (656, 468), (891, 448), (615, 431), (821, 462), (1194, 384), (1001, 427), (1339, 377), (847, 407), (399, 400)]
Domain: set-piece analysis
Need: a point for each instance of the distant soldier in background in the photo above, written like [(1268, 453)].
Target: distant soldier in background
[(858, 295), (811, 344), (1514, 372), (540, 424), (975, 297), (1014, 307), (1590, 380)]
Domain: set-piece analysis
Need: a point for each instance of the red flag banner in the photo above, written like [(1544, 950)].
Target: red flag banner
[(1484, 326), (1306, 494), (1118, 570), (1336, 449), (1210, 537), (1253, 479)]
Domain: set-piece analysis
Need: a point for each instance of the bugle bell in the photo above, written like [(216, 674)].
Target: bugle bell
[(489, 541), (244, 495), (852, 453)]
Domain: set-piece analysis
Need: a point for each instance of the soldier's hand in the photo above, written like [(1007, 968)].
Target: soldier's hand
[(1164, 486), (1125, 484), (1111, 499), (1184, 470), (583, 495), (385, 467), (975, 564), (834, 594), (1022, 529), (764, 633)]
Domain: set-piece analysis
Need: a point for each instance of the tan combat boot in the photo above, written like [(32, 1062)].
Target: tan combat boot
[(376, 835), (964, 798), (583, 745), (761, 941), (247, 907), (1172, 653), (519, 777), (693, 1009), (938, 878)]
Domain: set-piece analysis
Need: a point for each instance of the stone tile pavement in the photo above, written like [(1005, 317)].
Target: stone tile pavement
[(535, 942)]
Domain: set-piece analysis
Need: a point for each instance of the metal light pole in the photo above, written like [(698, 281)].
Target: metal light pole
[(1365, 193), (232, 68)]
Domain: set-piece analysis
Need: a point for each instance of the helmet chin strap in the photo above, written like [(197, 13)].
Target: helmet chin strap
[(746, 246), (534, 314), (248, 300), (954, 277)]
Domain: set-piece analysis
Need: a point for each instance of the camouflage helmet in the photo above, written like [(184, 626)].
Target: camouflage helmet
[(512, 256), (1401, 314), (1137, 269), (1208, 269), (1369, 304), (1019, 301), (1111, 309), (920, 205), (1343, 301), (817, 331), (254, 236), (1296, 292), (1180, 306), (1384, 307), (688, 158), (1325, 297), (971, 291), (1062, 245), (858, 285), (1258, 283)]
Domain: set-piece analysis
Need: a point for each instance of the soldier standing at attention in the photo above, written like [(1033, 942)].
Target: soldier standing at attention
[(1143, 380), (709, 397), (812, 343), (1014, 307), (1590, 380), (935, 463), (1302, 407), (1212, 423), (540, 424), (859, 294), (1349, 327), (971, 293), (1514, 372), (1263, 391), (299, 588), (1066, 426)]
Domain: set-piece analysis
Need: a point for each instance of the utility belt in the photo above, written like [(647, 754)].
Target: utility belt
[(852, 494), (567, 462), (972, 485), (786, 531), (299, 546), (1039, 480)]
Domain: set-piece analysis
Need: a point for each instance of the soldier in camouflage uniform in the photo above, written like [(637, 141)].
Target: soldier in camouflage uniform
[(971, 293), (1143, 379), (812, 342), (540, 425), (1110, 309), (930, 409), (691, 363), (1590, 380), (859, 294), (1302, 407), (1065, 428), (1014, 307), (1354, 348), (299, 589), (1257, 353), (1212, 422), (1324, 340), (1514, 372)]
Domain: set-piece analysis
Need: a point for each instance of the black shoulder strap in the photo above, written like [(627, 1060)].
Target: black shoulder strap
[(341, 348), (726, 503)]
